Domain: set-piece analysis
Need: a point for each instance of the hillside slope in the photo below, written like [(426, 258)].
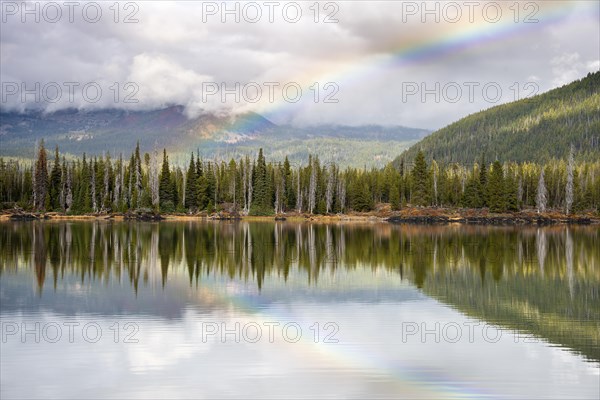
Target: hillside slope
[(535, 129)]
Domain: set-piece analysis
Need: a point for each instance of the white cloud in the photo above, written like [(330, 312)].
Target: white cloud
[(170, 52), (569, 67)]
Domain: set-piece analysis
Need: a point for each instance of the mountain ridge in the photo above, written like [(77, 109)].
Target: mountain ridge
[(112, 130)]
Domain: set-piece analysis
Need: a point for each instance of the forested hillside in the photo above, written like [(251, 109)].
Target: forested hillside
[(536, 129)]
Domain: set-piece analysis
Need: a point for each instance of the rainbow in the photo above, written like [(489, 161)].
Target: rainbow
[(411, 381), (406, 53)]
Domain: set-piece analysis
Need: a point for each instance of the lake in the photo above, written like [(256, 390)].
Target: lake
[(289, 310)]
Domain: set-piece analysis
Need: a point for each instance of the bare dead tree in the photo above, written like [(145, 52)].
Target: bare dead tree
[(569, 188), (540, 200), (330, 189)]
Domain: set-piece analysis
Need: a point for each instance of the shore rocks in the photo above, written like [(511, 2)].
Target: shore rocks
[(419, 219), (23, 216), (225, 216), (142, 217)]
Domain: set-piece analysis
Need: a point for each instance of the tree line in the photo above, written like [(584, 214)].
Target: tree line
[(257, 187)]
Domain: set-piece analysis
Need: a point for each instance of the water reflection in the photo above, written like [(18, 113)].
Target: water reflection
[(542, 281)]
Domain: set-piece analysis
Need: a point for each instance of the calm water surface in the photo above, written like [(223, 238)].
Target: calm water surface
[(255, 310)]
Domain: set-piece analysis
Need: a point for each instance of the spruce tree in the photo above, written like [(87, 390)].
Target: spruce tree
[(289, 189), (85, 187), (511, 192), (211, 187), (361, 195), (261, 203), (483, 182), (202, 191), (41, 179), (420, 182), (472, 196), (191, 186), (394, 195), (497, 191), (165, 187), (55, 182)]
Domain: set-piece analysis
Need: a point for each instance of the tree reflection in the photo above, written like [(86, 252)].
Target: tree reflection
[(547, 277)]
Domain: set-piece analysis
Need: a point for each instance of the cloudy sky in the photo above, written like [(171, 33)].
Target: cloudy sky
[(389, 62)]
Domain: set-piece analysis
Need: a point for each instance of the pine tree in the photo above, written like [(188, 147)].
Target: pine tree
[(137, 178), (93, 169), (106, 184), (420, 179), (234, 185), (394, 196), (41, 179), (511, 192), (361, 195), (202, 190), (55, 182), (472, 196), (63, 185), (290, 190), (496, 191), (69, 190), (261, 203), (191, 186), (176, 188), (165, 186), (84, 200), (211, 187), (483, 182), (118, 186)]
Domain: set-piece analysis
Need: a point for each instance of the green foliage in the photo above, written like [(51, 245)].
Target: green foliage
[(421, 193), (55, 183), (360, 195), (191, 186), (496, 189), (535, 129), (261, 204), (261, 188), (165, 183)]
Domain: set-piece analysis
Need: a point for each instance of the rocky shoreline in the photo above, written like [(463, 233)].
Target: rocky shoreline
[(412, 216)]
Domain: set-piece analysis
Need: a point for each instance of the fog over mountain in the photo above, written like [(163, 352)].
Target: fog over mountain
[(222, 137)]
